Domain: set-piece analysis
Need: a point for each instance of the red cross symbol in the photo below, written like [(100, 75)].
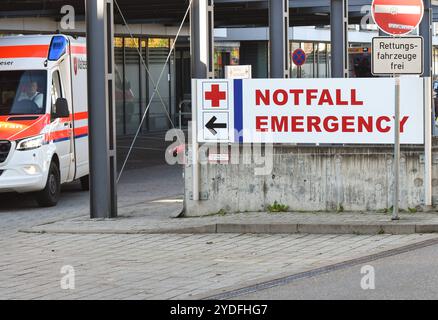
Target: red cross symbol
[(215, 95)]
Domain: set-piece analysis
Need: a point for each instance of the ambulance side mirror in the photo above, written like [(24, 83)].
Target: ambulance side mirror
[(61, 108)]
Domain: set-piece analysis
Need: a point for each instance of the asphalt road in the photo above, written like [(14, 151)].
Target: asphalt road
[(411, 275)]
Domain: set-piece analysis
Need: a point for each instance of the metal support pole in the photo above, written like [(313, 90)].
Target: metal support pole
[(426, 26), (202, 40), (395, 212), (102, 143), (193, 131), (426, 32), (339, 38), (279, 38), (427, 143), (202, 53)]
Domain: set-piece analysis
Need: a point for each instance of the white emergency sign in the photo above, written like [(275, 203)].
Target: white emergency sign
[(335, 111)]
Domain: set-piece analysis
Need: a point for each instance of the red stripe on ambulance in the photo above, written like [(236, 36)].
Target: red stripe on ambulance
[(27, 51), (81, 116), (78, 50)]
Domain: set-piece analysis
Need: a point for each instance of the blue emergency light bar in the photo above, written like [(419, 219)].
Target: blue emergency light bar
[(58, 48)]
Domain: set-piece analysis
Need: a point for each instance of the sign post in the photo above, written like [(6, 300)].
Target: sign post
[(395, 211), (395, 56), (299, 58)]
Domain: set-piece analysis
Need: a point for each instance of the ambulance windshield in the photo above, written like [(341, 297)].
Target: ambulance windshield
[(23, 92)]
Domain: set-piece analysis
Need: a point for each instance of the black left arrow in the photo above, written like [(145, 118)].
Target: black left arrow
[(211, 125)]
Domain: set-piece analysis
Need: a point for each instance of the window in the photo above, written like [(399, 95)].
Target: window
[(308, 69), (322, 60), (134, 86), (56, 90), (22, 92)]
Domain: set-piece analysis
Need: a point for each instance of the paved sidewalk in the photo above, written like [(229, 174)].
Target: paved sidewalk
[(159, 217), (147, 253), (119, 266)]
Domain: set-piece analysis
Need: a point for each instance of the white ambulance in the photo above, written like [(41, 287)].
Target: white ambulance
[(43, 115)]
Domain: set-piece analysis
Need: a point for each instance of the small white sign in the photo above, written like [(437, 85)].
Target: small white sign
[(216, 126), (215, 95), (402, 55), (215, 117), (219, 157), (238, 72)]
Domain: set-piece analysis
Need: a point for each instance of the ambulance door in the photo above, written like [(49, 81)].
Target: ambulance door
[(78, 76), (61, 128)]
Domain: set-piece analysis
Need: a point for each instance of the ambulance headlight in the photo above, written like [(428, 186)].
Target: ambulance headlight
[(30, 143)]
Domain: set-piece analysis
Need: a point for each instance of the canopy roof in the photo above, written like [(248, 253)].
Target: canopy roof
[(228, 13)]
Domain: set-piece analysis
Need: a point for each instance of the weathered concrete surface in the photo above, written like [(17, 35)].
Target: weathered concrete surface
[(312, 179)]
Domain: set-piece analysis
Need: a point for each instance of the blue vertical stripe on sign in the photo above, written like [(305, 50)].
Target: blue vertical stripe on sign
[(238, 109)]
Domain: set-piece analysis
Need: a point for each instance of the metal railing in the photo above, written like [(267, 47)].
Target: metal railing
[(182, 113)]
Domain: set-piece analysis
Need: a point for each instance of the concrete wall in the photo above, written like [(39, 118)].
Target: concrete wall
[(312, 179)]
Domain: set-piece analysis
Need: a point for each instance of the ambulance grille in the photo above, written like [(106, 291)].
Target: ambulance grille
[(5, 147)]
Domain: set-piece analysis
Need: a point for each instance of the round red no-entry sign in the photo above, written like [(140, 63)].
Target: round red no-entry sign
[(397, 17)]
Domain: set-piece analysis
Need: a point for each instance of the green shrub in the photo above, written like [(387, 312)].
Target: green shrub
[(412, 210), (277, 207)]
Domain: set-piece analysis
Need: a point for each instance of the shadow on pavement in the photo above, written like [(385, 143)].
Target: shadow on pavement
[(147, 176), (13, 200)]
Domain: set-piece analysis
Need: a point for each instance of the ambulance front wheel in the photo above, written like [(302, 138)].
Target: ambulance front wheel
[(49, 196), (85, 183)]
